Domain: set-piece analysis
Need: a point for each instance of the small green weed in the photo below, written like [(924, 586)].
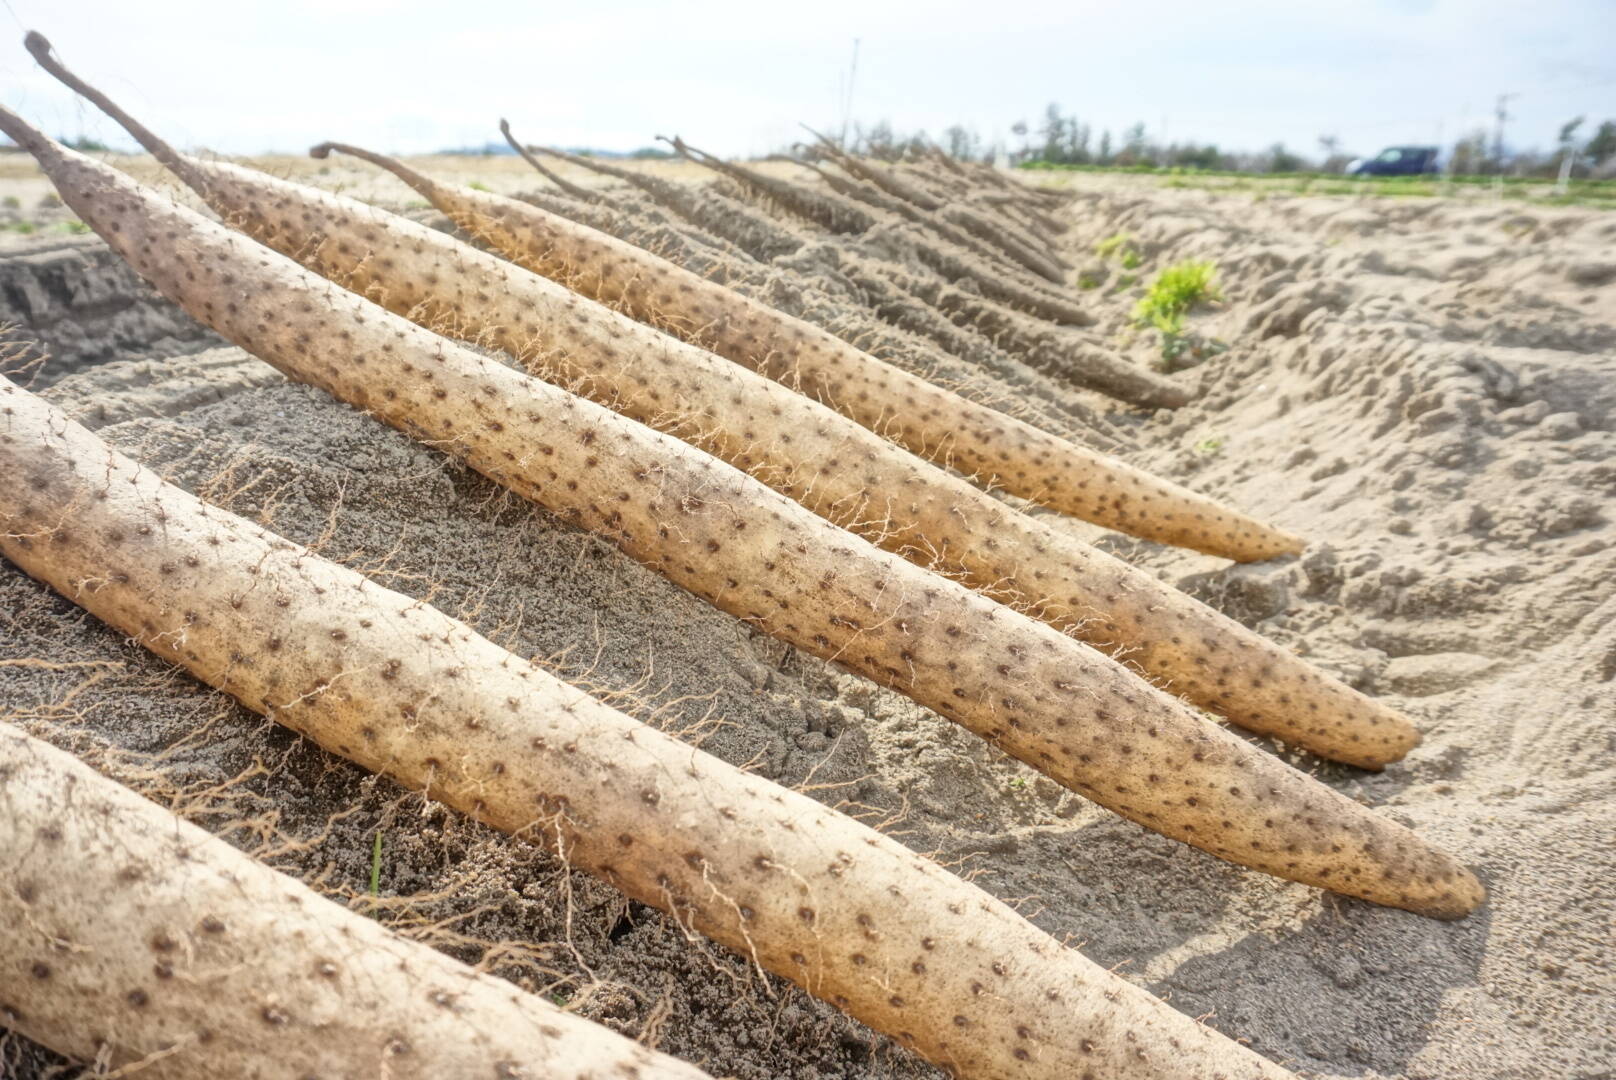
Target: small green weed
[(1171, 296), (75, 227), (11, 202), (23, 227), (1120, 245), (1175, 291), (417, 204), (1109, 246), (1182, 350), (1210, 446), (1087, 281), (477, 185)]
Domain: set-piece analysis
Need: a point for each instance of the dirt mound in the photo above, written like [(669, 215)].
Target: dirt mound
[(74, 300)]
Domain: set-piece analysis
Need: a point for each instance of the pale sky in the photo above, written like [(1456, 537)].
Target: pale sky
[(736, 76)]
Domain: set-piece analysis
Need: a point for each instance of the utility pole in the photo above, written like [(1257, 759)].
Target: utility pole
[(1501, 114), (847, 101)]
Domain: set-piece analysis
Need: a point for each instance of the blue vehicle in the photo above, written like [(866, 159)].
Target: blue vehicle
[(1397, 161)]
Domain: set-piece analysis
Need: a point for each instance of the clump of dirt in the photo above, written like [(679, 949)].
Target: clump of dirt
[(1425, 392), (72, 299)]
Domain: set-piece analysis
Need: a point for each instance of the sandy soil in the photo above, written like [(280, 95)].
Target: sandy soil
[(1425, 389)]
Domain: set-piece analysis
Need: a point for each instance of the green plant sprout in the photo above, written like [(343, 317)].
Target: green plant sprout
[(1120, 245), (1175, 291), (1171, 296), (1108, 247)]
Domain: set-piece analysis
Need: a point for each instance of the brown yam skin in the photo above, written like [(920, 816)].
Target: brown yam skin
[(129, 935), (927, 207), (1039, 695), (1066, 357), (827, 463), (401, 688), (937, 424), (991, 447)]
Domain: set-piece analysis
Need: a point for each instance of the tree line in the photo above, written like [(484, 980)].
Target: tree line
[(1062, 139)]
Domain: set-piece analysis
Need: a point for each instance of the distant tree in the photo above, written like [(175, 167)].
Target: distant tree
[(1531, 163), (1105, 147), (1135, 148), (879, 141), (963, 143), (1602, 147), (1334, 160), (1565, 154), (1053, 131), (1077, 142), (1190, 156), (1469, 157), (1568, 131), (85, 145), (1281, 160)]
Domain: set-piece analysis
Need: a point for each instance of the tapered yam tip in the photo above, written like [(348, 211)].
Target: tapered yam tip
[(40, 47)]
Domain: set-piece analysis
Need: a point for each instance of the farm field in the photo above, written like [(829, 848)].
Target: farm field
[(1422, 389)]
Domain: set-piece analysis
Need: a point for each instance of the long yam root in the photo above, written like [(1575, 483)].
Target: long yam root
[(753, 232), (565, 185), (825, 462), (881, 178), (934, 208), (397, 686), (924, 418), (134, 939), (874, 197)]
